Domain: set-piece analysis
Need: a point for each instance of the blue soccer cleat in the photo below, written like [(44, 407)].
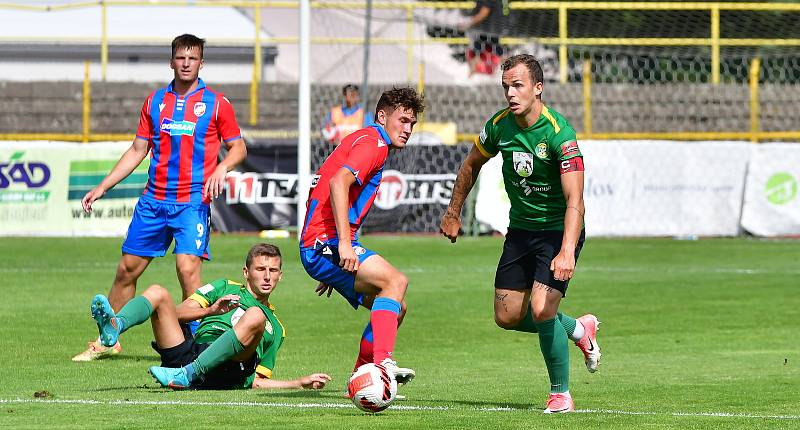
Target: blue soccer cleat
[(169, 377), (106, 320)]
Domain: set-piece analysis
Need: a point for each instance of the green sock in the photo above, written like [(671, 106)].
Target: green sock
[(529, 326), (221, 350), (569, 323), (553, 342), (135, 312)]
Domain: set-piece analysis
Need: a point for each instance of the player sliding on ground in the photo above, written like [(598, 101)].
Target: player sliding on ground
[(341, 194), (237, 342), (543, 176)]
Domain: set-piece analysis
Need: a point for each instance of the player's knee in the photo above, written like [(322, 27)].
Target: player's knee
[(253, 320), (506, 321), (156, 294), (399, 284)]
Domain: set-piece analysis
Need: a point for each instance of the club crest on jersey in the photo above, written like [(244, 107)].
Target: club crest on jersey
[(199, 109), (523, 163), (541, 150), (177, 128), (268, 327)]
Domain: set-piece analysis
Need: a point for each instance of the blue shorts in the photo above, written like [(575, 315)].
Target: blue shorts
[(154, 224), (322, 263)]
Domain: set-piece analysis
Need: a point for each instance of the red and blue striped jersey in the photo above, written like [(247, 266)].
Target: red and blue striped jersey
[(364, 153), (184, 135)]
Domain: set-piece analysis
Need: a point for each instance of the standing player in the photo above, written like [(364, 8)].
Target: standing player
[(237, 342), (342, 193), (543, 176), (182, 127)]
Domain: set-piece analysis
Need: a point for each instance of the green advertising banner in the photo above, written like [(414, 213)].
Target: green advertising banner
[(42, 184)]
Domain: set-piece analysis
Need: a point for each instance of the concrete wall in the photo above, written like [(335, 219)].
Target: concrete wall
[(51, 107)]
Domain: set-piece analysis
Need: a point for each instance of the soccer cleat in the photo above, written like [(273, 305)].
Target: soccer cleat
[(402, 375), (95, 351), (559, 403), (106, 320), (170, 377), (588, 344)]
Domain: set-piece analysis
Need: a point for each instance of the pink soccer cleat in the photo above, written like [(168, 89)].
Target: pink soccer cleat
[(559, 403), (588, 344)]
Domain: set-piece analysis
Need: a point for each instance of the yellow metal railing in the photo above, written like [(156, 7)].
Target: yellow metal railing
[(563, 41)]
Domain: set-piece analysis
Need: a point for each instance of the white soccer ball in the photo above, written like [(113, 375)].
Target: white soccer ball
[(372, 388)]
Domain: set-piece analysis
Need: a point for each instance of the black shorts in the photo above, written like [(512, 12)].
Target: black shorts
[(527, 256), (228, 375)]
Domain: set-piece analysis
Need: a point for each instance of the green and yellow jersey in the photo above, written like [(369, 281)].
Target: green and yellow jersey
[(212, 327), (533, 159)]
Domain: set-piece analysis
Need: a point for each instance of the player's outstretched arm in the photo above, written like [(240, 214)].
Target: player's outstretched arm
[(315, 381), (132, 157), (192, 310), (237, 151), (465, 180)]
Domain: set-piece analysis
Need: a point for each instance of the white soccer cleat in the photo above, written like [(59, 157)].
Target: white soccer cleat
[(402, 375), (588, 344), (559, 403), (95, 351)]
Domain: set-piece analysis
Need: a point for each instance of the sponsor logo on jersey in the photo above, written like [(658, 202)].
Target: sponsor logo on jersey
[(523, 163), (315, 181), (177, 128), (482, 136), (541, 150), (398, 189), (199, 109)]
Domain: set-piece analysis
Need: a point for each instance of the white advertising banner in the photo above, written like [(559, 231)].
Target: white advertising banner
[(772, 199), (647, 188), (42, 184)]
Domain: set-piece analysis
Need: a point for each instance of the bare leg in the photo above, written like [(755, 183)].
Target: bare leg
[(166, 329), (129, 269), (189, 270)]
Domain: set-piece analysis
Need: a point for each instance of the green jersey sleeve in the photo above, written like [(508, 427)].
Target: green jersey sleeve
[(487, 141), (269, 358), (209, 293), (565, 144)]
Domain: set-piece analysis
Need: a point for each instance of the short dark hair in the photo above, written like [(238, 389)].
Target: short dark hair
[(262, 250), (396, 97), (188, 41), (534, 68), (348, 87)]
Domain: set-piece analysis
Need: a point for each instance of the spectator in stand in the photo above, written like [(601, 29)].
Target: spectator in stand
[(489, 21), (345, 118)]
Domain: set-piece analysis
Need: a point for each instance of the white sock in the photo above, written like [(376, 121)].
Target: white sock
[(579, 331)]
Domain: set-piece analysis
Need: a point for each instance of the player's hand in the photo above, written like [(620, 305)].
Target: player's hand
[(87, 200), (450, 226), (224, 304), (348, 259), (563, 266), (322, 288), (216, 183), (315, 381)]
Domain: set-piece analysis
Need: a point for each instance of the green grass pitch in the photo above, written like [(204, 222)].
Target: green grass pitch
[(695, 335)]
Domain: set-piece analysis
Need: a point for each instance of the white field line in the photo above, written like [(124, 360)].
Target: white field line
[(396, 407)]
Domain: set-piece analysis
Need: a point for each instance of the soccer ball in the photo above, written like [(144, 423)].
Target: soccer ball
[(372, 388)]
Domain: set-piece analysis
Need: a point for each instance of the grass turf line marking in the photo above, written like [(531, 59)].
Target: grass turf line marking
[(398, 407)]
